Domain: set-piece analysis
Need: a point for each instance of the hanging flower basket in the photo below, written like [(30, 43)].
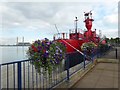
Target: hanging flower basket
[(88, 47), (46, 54)]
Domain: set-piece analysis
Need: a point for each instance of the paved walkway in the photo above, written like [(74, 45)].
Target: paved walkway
[(112, 54), (103, 75)]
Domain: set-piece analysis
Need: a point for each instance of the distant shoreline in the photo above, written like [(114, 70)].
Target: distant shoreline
[(14, 45)]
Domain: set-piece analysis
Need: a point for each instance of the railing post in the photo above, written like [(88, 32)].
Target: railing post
[(92, 56), (116, 52), (19, 76), (100, 54), (97, 53), (67, 63), (84, 59)]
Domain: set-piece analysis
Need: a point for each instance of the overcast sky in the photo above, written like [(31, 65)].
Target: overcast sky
[(36, 20)]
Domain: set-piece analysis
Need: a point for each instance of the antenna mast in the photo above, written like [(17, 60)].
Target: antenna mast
[(76, 24), (57, 29)]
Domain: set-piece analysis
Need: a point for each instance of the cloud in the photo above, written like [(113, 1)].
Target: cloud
[(105, 1), (8, 40), (106, 19), (10, 17), (37, 19), (111, 19), (112, 32)]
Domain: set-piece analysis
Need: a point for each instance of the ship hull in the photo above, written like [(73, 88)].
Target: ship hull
[(71, 44)]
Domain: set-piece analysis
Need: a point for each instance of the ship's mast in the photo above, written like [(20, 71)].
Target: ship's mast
[(76, 24)]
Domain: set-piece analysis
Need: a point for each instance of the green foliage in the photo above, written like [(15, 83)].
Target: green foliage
[(88, 46), (113, 40)]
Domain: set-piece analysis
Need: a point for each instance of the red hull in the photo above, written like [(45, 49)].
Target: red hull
[(75, 43)]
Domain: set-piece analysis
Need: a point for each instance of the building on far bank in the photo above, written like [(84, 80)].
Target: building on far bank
[(23, 44)]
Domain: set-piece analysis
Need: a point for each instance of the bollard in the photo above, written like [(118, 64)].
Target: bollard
[(116, 52)]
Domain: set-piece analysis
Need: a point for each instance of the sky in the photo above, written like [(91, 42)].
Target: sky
[(35, 19)]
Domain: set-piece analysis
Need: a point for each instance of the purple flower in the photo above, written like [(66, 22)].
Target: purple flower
[(57, 47), (60, 55), (47, 47), (60, 51), (57, 61), (42, 43), (48, 43), (57, 51), (39, 48), (51, 61), (39, 43), (46, 54)]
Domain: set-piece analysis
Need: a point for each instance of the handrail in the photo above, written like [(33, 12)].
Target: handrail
[(15, 62), (76, 49), (73, 47)]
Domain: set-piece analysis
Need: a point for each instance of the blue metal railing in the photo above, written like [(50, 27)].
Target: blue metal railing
[(11, 73), (22, 74), (27, 77)]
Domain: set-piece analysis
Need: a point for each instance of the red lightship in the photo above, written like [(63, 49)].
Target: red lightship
[(76, 39)]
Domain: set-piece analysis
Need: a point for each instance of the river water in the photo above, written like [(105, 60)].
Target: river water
[(12, 53)]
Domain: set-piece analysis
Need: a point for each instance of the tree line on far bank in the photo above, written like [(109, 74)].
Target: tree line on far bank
[(113, 41)]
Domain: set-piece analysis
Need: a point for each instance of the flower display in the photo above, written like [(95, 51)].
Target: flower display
[(88, 47), (46, 54)]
